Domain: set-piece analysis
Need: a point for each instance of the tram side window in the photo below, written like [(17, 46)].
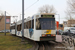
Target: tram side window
[(26, 25), (12, 27), (32, 23), (38, 26), (29, 24), (19, 27)]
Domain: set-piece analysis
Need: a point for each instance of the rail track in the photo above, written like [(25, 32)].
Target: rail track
[(46, 45), (43, 46)]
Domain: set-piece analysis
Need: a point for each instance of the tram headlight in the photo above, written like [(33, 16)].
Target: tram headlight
[(53, 35), (43, 35)]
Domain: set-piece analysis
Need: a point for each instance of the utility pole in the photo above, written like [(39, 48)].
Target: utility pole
[(5, 23), (22, 20)]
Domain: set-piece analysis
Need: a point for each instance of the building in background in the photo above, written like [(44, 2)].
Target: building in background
[(2, 23), (69, 23)]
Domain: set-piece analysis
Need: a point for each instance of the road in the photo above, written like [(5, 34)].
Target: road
[(67, 41)]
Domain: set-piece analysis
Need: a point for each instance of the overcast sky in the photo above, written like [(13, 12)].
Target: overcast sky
[(14, 7)]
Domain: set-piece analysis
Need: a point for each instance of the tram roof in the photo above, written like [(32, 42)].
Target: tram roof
[(30, 18), (47, 13), (25, 20)]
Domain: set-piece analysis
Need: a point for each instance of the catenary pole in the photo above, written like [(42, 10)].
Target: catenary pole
[(5, 23), (22, 20)]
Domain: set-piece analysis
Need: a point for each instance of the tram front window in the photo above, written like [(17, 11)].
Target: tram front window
[(45, 23)]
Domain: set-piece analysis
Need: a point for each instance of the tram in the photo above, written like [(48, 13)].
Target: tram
[(39, 27)]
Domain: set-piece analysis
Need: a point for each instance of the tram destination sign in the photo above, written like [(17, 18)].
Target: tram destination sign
[(47, 15)]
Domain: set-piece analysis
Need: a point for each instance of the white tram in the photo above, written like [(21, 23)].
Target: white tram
[(39, 27)]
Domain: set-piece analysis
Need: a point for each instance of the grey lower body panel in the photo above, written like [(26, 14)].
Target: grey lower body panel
[(51, 38)]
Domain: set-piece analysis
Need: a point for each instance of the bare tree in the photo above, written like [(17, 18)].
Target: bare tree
[(68, 15), (47, 9), (71, 4), (70, 10), (1, 14)]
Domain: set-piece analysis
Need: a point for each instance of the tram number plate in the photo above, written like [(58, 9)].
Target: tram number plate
[(48, 35)]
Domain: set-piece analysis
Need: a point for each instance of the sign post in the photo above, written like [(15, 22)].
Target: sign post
[(5, 23)]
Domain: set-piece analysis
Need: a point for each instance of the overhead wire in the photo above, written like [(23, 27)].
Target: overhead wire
[(30, 6)]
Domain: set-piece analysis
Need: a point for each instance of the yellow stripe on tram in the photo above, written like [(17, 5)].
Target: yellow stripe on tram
[(48, 32)]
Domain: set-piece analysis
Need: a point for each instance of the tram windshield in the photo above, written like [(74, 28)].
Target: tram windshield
[(45, 23)]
